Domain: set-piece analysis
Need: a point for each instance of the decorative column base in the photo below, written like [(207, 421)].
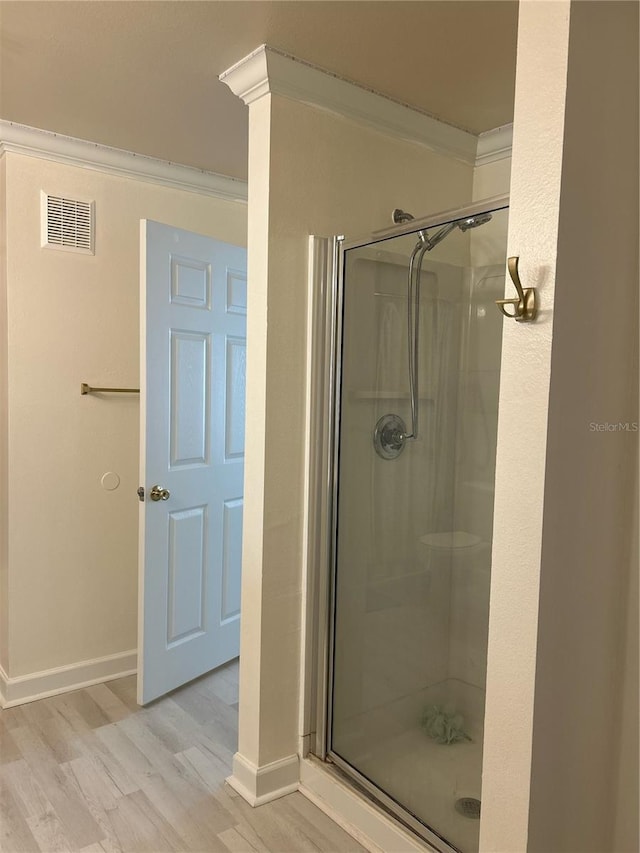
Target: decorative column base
[(259, 785)]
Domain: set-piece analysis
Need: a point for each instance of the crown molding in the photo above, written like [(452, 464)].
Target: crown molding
[(268, 71), (494, 145), (31, 141)]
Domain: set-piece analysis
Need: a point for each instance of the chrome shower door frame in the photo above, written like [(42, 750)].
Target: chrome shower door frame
[(324, 371)]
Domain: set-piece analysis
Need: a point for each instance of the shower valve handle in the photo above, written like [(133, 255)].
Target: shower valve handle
[(389, 436)]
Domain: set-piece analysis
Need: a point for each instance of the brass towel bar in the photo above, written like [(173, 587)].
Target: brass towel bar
[(89, 389)]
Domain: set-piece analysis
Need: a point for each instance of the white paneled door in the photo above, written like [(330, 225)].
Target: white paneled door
[(192, 398)]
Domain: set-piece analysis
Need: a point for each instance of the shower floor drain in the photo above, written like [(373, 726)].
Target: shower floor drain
[(469, 807)]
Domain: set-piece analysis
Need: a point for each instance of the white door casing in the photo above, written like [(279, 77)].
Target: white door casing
[(192, 403)]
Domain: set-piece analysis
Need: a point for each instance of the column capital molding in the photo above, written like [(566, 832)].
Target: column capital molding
[(267, 71)]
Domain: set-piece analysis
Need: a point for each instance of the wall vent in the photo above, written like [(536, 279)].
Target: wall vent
[(67, 224)]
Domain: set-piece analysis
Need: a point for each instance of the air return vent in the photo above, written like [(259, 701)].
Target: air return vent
[(67, 224)]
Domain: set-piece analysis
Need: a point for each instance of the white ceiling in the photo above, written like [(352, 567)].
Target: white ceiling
[(143, 76)]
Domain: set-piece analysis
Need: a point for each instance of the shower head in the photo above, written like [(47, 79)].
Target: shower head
[(463, 224), (473, 221)]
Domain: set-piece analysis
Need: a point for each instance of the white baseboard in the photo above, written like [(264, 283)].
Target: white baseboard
[(63, 679), (369, 825), (259, 785)]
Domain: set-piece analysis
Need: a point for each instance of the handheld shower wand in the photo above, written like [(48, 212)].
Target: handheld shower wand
[(390, 433)]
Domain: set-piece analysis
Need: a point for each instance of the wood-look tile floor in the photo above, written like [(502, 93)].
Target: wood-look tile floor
[(91, 771)]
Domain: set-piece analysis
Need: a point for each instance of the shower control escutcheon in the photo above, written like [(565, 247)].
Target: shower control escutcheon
[(390, 436), (157, 493)]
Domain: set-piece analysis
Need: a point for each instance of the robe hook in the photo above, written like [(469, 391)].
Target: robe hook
[(525, 306)]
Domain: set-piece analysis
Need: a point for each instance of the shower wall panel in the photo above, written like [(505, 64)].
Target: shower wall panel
[(479, 382)]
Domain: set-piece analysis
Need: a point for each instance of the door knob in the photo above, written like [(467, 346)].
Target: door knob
[(157, 493)]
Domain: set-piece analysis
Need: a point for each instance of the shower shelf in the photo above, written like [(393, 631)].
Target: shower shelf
[(385, 395)]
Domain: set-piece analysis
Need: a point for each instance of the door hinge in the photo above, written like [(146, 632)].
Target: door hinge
[(141, 493)]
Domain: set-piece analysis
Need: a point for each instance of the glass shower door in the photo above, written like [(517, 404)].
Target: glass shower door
[(414, 512)]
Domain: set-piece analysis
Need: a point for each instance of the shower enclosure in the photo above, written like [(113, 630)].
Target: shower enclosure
[(417, 362)]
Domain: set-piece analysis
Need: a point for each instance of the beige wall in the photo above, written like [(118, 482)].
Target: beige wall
[(590, 476), (74, 318), (522, 427), (557, 717), (310, 172), (627, 793), (4, 422)]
